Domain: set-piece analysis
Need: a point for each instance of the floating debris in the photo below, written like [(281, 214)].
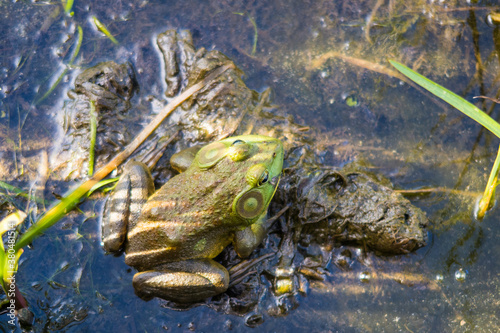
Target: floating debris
[(460, 275), (364, 277)]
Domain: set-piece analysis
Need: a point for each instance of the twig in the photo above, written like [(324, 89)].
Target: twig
[(370, 20), (422, 191)]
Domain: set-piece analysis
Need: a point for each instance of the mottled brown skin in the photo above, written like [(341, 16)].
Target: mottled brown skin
[(176, 215), (194, 216)]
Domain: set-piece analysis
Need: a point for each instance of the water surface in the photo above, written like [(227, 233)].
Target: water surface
[(321, 60)]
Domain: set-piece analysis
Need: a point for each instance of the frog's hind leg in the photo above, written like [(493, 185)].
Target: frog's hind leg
[(124, 206), (183, 281)]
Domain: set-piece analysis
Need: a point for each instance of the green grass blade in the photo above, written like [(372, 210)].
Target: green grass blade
[(53, 215), (10, 222), (21, 193), (78, 45), (8, 264), (487, 200), (101, 184), (61, 76), (68, 5), (93, 135), (14, 189), (54, 85), (450, 97), (105, 30), (255, 30)]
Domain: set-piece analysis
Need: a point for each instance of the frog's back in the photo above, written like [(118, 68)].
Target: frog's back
[(184, 220)]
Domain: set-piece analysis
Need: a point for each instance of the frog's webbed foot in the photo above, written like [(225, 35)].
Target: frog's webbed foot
[(183, 281), (124, 206)]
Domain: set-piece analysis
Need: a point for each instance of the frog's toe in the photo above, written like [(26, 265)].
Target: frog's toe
[(183, 282)]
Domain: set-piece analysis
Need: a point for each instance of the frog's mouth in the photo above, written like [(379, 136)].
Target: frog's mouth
[(275, 181)]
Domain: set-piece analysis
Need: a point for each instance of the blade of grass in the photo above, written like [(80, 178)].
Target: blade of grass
[(54, 85), (75, 53), (470, 110), (68, 5), (486, 201), (19, 192), (8, 264), (78, 45), (93, 135), (9, 222), (103, 183), (255, 31), (450, 97), (105, 30)]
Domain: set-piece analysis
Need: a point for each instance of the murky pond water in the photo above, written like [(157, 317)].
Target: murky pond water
[(326, 63)]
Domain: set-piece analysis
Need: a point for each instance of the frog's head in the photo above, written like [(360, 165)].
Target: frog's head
[(252, 165)]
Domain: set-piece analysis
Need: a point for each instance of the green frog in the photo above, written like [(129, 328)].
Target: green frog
[(170, 236)]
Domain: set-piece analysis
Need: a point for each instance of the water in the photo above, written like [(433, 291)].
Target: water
[(321, 60)]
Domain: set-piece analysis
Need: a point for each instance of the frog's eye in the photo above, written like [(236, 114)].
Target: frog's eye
[(239, 150), (257, 175), (250, 204), (209, 155), (264, 178)]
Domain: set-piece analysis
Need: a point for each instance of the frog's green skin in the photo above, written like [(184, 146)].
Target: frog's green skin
[(221, 198)]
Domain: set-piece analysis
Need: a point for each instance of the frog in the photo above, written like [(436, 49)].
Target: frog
[(221, 196)]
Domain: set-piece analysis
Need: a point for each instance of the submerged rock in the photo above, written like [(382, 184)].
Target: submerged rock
[(110, 87), (354, 207)]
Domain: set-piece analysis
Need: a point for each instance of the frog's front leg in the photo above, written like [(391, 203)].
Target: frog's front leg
[(124, 206), (246, 240), (182, 281)]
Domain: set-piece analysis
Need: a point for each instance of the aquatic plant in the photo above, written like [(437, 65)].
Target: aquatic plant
[(255, 30), (104, 30), (473, 112), (66, 68), (93, 136)]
